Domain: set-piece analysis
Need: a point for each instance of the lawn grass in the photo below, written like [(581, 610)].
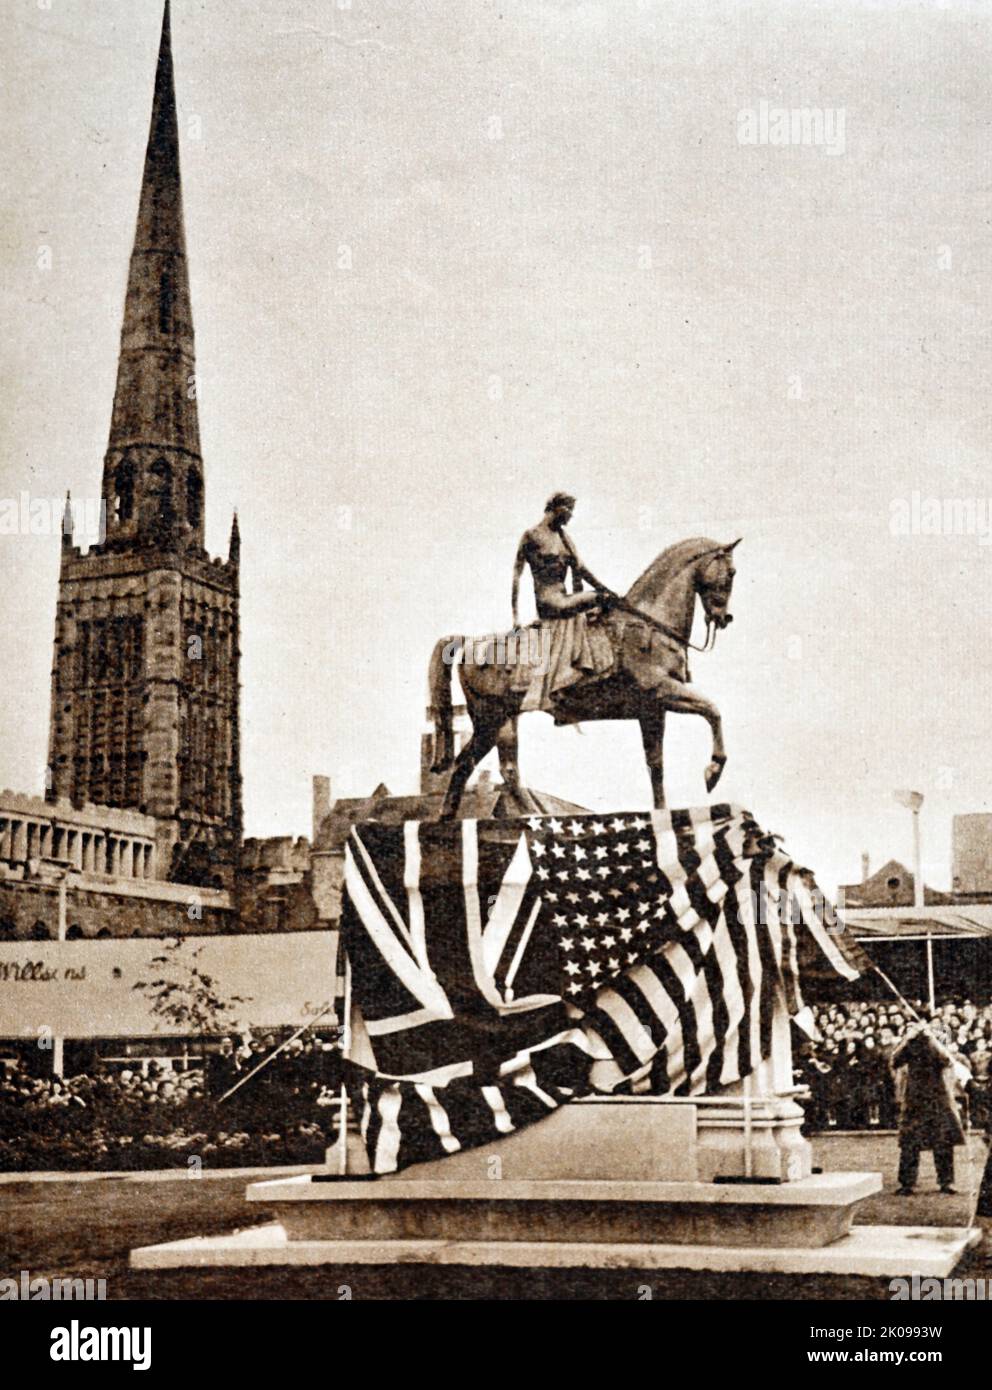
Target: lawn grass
[(86, 1228)]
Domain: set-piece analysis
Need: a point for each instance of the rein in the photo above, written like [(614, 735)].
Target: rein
[(639, 613), (636, 612)]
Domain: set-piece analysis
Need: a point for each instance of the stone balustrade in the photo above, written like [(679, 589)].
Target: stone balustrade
[(102, 840)]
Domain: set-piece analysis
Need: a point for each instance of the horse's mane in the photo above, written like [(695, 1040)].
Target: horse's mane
[(661, 569)]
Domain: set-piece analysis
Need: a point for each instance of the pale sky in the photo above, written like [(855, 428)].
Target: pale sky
[(566, 272)]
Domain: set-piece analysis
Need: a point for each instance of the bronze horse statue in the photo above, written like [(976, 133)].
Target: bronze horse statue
[(648, 632)]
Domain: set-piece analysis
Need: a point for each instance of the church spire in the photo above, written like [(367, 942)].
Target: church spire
[(145, 677), (153, 472), (67, 522)]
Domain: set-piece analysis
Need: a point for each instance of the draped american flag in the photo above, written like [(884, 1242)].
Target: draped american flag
[(500, 968)]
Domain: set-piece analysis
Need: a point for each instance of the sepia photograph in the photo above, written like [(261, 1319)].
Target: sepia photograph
[(376, 374)]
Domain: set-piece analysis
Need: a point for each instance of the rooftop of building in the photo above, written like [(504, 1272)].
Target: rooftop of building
[(893, 885), (485, 799), (121, 818)]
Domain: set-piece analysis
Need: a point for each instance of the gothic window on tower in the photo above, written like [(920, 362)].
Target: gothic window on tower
[(179, 408), (124, 491), (210, 770), (116, 783), (195, 654), (166, 301), (194, 497), (99, 667), (83, 654), (161, 491), (134, 763), (136, 649), (97, 789), (117, 653)]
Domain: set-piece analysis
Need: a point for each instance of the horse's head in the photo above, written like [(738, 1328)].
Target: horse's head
[(670, 585), (714, 580)]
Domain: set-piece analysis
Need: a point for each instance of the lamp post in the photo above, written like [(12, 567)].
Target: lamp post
[(913, 801)]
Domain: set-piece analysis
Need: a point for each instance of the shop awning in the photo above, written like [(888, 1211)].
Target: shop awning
[(918, 923)]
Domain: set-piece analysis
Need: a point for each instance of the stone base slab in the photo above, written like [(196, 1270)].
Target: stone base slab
[(810, 1212), (874, 1251)]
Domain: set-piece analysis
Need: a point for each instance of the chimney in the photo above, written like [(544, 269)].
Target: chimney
[(321, 804), (864, 866)]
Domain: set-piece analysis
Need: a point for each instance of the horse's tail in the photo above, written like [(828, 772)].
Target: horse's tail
[(443, 658)]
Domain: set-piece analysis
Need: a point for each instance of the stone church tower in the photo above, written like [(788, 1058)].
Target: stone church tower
[(145, 677)]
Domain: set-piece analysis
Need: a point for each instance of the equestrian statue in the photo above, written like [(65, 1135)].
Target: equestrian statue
[(592, 654)]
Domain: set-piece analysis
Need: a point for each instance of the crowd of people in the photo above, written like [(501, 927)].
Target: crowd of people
[(151, 1114), (848, 1070)]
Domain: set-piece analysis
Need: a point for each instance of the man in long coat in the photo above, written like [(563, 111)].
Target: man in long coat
[(929, 1117)]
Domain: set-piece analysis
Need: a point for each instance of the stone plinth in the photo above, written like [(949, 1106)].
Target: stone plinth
[(651, 1183), (623, 1139), (634, 1138), (807, 1213), (608, 1183), (741, 1137)]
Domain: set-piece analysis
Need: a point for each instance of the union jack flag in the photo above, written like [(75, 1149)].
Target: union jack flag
[(501, 968)]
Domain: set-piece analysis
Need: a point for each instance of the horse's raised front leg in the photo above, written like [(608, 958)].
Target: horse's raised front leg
[(685, 699), (652, 723)]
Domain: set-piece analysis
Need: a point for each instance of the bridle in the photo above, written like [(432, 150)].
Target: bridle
[(711, 628)]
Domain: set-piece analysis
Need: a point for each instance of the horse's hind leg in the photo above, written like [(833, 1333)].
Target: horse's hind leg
[(482, 740), (506, 742), (652, 723)]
